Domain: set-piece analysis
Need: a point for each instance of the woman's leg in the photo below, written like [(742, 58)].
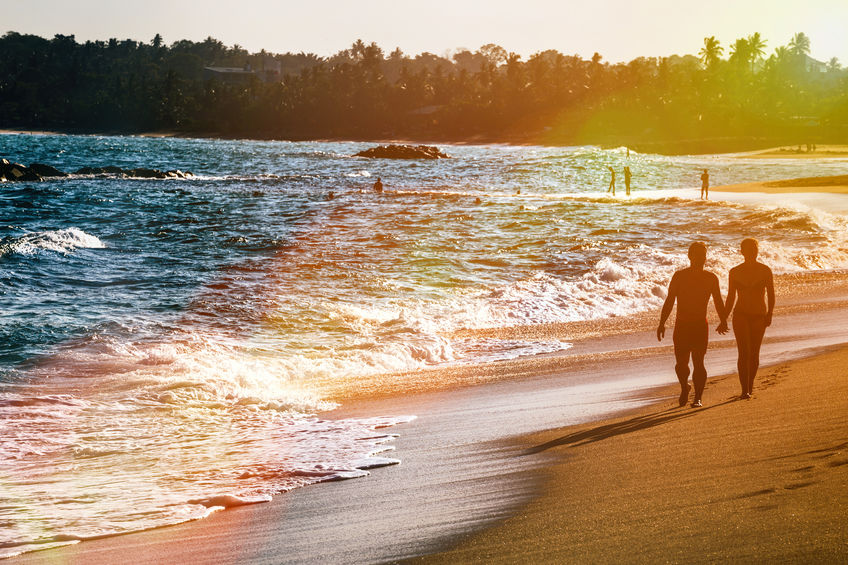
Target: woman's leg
[(756, 331), (740, 331)]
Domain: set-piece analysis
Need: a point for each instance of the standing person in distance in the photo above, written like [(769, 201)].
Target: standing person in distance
[(749, 284), (378, 186), (627, 176), (692, 288), (612, 180), (705, 185)]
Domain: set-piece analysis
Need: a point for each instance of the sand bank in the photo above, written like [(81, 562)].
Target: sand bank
[(831, 184), (761, 480), (798, 152)]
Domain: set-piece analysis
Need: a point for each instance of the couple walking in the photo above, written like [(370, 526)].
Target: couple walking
[(748, 285)]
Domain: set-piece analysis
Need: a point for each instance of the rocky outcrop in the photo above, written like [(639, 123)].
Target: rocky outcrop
[(46, 170), (38, 171), (140, 173), (403, 152), (16, 172)]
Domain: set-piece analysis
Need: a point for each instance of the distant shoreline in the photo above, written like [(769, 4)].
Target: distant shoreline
[(828, 184), (743, 147)]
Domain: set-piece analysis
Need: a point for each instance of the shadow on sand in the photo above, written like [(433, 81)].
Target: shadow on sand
[(599, 433)]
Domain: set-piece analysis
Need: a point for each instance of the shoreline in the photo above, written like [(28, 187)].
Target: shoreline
[(462, 473), (837, 184), (708, 146)]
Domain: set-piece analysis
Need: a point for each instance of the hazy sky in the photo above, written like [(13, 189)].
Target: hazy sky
[(618, 29)]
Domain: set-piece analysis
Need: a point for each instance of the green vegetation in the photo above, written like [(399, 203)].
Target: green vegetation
[(680, 102)]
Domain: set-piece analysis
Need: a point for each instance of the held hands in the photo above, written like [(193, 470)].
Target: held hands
[(660, 332), (722, 327)]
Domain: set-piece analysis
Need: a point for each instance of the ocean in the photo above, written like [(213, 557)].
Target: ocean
[(168, 347)]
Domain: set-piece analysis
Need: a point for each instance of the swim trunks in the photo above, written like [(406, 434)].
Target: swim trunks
[(691, 336)]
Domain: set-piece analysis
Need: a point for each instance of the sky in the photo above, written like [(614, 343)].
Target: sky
[(620, 30)]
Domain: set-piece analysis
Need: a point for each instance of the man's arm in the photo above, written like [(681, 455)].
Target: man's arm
[(667, 306), (770, 295)]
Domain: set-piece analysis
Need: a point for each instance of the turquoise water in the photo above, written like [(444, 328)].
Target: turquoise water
[(164, 341)]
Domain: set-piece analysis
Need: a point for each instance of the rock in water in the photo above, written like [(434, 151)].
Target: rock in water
[(403, 152), (46, 170)]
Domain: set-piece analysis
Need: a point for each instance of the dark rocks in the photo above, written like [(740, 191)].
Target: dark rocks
[(140, 172), (46, 170), (16, 172), (38, 171), (403, 152)]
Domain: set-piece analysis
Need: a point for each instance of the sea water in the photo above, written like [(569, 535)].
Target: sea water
[(166, 345)]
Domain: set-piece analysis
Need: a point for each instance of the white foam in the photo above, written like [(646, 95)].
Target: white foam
[(61, 241)]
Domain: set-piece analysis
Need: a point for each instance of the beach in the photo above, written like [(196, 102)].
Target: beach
[(445, 359), (799, 152), (752, 481), (497, 453), (826, 184)]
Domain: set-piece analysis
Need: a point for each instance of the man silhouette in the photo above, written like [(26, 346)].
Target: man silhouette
[(705, 185), (692, 288), (627, 176), (612, 180)]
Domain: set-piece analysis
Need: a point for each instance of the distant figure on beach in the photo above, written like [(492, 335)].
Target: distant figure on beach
[(692, 288), (748, 286), (628, 152), (612, 180), (378, 186), (705, 185), (627, 176)]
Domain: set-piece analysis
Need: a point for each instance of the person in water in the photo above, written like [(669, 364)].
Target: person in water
[(705, 185), (627, 177), (612, 180), (378, 186), (748, 286), (692, 288)]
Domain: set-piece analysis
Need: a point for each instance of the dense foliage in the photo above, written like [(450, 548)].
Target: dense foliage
[(489, 94)]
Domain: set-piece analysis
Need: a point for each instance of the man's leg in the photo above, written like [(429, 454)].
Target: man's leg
[(681, 368), (699, 374)]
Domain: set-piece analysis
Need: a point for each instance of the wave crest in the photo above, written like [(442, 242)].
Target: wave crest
[(63, 241)]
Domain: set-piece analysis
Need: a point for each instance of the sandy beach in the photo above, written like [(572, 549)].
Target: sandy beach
[(799, 152), (743, 481), (829, 184)]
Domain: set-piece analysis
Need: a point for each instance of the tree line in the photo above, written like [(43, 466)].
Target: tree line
[(740, 93)]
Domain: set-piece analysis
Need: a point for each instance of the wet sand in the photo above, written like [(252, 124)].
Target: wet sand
[(829, 184), (751, 481)]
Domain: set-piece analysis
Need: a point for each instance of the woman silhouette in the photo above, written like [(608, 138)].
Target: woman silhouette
[(748, 285)]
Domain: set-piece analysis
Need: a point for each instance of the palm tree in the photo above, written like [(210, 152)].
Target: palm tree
[(800, 44), (833, 64), (740, 51), (757, 48), (711, 51)]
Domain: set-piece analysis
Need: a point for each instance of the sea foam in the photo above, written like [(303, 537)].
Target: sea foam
[(60, 241)]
